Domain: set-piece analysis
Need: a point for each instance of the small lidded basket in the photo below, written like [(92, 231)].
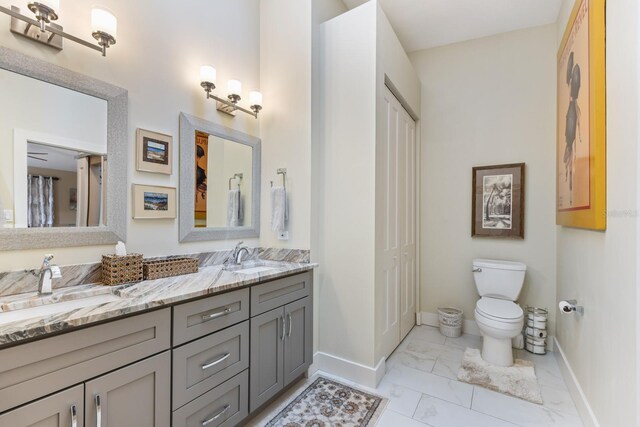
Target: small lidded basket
[(119, 269)]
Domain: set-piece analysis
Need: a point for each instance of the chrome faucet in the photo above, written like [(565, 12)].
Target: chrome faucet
[(236, 255), (44, 276)]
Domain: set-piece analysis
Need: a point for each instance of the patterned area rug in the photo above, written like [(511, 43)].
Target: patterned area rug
[(327, 403), (518, 380)]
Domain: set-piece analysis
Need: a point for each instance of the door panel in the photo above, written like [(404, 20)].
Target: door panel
[(298, 344), (266, 361), (52, 411), (138, 395)]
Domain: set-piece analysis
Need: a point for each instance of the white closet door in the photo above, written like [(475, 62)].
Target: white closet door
[(407, 216), (388, 236)]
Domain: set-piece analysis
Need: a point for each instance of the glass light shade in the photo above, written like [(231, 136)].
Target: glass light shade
[(104, 21), (234, 87), (255, 98), (51, 4), (208, 74)]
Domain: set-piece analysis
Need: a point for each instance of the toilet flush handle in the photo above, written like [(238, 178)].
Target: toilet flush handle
[(477, 270)]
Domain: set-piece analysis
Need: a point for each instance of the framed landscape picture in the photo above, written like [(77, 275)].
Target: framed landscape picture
[(581, 139), (153, 152), (497, 203), (154, 202)]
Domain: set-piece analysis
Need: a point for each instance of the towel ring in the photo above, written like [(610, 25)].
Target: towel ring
[(237, 175), (283, 172)]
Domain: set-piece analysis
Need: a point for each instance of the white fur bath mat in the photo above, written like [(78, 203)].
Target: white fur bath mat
[(518, 380)]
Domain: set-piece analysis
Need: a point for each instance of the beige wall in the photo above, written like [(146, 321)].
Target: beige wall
[(285, 76), (157, 58), (486, 102), (600, 268)]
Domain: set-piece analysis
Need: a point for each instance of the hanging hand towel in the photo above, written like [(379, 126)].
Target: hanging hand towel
[(279, 209), (233, 208)]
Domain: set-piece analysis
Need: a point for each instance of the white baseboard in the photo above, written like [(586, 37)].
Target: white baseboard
[(470, 327), (582, 404), (352, 371)]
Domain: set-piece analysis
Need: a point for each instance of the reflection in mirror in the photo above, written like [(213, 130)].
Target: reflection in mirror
[(64, 188), (224, 180), (219, 182), (56, 141)]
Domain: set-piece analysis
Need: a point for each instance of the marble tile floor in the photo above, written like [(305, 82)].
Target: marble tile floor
[(423, 391)]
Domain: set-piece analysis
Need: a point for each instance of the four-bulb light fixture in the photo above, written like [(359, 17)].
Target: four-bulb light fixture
[(103, 23), (234, 87)]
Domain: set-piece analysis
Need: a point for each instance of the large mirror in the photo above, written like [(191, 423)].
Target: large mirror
[(63, 170), (219, 182)]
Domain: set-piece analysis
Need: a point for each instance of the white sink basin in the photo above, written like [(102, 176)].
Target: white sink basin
[(255, 270), (55, 308)]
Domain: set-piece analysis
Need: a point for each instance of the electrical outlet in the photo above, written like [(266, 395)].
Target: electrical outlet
[(8, 215), (283, 235)]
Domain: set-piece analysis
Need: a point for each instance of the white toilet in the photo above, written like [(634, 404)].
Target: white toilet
[(499, 318)]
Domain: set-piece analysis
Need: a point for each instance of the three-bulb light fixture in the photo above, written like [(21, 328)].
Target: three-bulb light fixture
[(234, 87), (104, 25)]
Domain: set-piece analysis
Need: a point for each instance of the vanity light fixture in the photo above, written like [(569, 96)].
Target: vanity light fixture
[(103, 23), (234, 87)]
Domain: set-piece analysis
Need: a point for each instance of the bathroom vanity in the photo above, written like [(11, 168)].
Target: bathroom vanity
[(205, 349)]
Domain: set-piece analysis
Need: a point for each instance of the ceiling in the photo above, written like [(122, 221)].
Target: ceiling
[(423, 24), (54, 158)]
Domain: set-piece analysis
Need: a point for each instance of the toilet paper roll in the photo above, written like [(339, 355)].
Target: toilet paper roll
[(565, 307), (536, 333)]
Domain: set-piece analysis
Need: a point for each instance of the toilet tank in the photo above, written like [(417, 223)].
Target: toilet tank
[(499, 279)]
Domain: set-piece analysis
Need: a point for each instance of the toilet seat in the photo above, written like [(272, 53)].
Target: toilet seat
[(499, 310)]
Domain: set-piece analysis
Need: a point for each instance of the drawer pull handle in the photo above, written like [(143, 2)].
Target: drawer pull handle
[(74, 416), (221, 359), (218, 415), (290, 324), (212, 316), (98, 411)]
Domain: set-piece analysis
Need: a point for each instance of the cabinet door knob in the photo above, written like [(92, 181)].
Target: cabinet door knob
[(98, 411), (74, 416)]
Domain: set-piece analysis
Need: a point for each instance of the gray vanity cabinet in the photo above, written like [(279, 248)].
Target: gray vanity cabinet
[(62, 409), (282, 338), (137, 395)]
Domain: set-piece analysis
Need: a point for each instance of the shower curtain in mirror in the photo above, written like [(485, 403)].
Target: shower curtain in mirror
[(40, 199)]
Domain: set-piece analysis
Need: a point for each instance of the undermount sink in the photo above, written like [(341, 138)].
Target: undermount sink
[(255, 270), (254, 267), (55, 308)]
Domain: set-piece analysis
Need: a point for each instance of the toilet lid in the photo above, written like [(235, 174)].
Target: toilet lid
[(499, 308)]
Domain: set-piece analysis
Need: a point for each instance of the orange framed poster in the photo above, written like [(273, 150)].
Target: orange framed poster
[(581, 131)]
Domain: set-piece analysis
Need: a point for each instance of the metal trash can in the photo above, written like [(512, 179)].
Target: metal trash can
[(450, 320), (535, 330)]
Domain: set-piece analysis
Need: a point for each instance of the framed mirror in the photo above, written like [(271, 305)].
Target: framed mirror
[(63, 172), (219, 182)]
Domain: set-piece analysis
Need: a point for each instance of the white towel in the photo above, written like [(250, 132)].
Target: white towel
[(279, 209), (234, 208)]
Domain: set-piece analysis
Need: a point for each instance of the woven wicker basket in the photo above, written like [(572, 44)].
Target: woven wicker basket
[(117, 270), (167, 267)]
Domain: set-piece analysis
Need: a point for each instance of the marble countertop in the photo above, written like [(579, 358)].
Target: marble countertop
[(130, 298)]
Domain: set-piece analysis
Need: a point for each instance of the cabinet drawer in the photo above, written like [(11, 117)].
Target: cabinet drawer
[(280, 292), (33, 370), (52, 411), (199, 318), (228, 402), (204, 364)]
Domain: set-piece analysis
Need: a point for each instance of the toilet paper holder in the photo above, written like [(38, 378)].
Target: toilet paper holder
[(570, 306)]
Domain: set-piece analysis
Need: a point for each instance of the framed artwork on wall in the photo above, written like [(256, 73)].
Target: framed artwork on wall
[(497, 203), (154, 202), (153, 152), (581, 139)]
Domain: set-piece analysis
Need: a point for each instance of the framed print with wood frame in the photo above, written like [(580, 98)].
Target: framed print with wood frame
[(581, 140), (153, 152), (154, 202), (497, 205)]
